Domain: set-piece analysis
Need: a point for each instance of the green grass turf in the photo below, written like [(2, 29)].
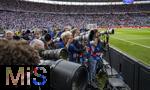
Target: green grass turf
[(133, 42)]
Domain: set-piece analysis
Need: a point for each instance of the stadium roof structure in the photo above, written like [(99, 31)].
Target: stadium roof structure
[(87, 2), (94, 0)]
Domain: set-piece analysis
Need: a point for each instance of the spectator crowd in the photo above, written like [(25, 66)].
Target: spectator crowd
[(28, 15), (29, 20)]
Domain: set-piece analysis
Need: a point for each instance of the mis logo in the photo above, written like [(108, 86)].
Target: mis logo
[(27, 75), (44, 80)]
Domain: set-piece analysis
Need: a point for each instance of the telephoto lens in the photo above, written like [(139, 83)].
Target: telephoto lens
[(111, 31), (65, 75), (54, 54), (89, 36)]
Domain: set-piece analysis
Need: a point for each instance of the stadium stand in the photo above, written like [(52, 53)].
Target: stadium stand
[(28, 20), (28, 15)]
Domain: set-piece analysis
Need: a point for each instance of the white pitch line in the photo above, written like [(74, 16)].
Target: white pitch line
[(132, 42), (139, 39)]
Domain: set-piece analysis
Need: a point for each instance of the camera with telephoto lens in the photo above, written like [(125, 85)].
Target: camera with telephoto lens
[(111, 31), (54, 54), (88, 36)]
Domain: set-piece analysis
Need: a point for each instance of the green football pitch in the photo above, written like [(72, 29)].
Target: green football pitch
[(133, 42)]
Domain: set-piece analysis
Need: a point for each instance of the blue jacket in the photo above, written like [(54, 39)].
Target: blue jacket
[(59, 44), (52, 34), (73, 52), (97, 49), (87, 54)]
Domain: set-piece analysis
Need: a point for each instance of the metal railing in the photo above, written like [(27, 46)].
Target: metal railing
[(135, 73)]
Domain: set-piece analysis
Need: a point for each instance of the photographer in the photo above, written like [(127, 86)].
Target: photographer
[(48, 43), (67, 28), (57, 33), (9, 35), (17, 53), (27, 35), (37, 44), (67, 39), (79, 45), (37, 33)]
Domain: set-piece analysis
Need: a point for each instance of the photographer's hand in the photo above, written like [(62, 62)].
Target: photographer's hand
[(68, 43)]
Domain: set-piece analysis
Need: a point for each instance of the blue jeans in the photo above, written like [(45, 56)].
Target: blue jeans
[(92, 70)]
